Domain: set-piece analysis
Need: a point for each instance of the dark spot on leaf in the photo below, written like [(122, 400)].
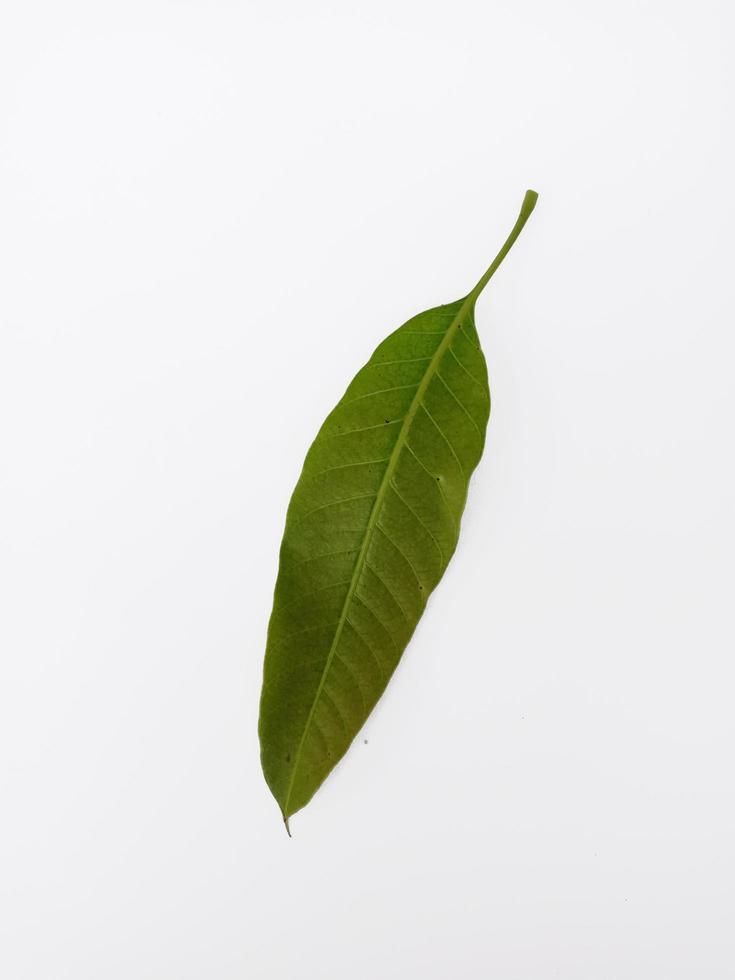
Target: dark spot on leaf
[(288, 757), (387, 421)]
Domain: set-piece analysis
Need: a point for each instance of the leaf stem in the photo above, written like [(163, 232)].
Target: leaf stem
[(529, 203)]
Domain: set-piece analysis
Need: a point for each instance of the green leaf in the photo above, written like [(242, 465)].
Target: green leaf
[(371, 527)]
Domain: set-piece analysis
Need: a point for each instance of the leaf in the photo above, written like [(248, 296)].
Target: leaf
[(371, 527)]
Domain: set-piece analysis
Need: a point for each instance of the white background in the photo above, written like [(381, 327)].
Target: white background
[(210, 213)]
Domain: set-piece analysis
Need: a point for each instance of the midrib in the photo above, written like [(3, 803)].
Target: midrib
[(401, 439)]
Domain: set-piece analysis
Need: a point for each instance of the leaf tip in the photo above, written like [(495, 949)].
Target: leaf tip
[(285, 824)]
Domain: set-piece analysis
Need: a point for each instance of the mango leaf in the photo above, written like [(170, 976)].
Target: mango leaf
[(371, 527)]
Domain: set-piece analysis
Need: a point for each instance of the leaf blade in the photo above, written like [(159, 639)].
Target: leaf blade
[(371, 526)]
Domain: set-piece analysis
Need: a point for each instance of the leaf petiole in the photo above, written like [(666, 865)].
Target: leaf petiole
[(529, 203)]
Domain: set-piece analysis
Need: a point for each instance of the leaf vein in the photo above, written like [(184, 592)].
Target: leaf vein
[(308, 595), (379, 621), (403, 360), (367, 646), (327, 554), (469, 374), (346, 466), (445, 437), (379, 391), (332, 503), (397, 604), (403, 555), (306, 629), (336, 709), (436, 483), (367, 428), (461, 405), (356, 678), (424, 525)]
